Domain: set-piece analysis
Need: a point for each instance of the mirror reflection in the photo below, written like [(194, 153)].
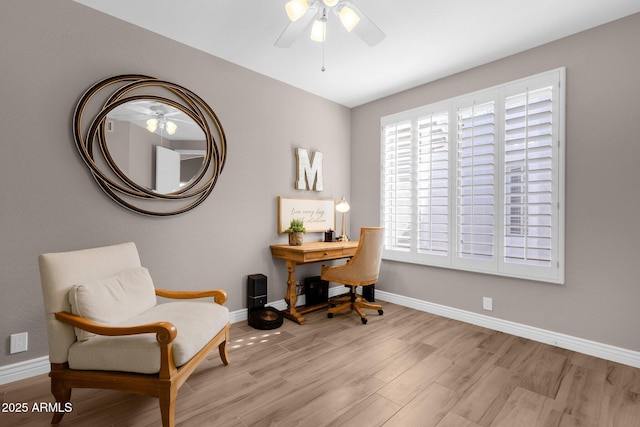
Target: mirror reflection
[(155, 144)]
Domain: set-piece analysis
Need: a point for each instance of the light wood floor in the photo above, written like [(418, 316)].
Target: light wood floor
[(405, 368)]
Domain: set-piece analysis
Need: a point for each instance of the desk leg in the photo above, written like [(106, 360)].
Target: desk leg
[(291, 298)]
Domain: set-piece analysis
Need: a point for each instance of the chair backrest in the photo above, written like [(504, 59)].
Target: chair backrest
[(364, 267), (61, 271)]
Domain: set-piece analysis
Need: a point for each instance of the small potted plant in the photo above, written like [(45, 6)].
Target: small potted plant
[(296, 230)]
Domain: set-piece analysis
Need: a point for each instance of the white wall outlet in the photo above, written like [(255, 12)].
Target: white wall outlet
[(487, 303), (19, 342)]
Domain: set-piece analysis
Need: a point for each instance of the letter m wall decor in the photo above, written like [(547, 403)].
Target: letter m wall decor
[(309, 174)]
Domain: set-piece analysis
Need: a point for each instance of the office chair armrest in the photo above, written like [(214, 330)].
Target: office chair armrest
[(219, 296), (165, 331)]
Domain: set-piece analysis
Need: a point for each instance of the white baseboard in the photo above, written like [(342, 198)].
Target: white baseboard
[(238, 316), (580, 345), (22, 370), (40, 365)]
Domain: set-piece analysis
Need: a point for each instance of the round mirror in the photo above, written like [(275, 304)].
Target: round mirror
[(153, 146)]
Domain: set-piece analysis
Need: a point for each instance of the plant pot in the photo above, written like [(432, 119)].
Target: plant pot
[(295, 238)]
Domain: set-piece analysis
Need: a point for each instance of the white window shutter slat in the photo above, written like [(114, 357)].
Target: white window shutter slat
[(433, 184), (475, 190), (528, 172)]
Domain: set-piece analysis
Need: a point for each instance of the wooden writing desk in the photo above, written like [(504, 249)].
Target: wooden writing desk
[(305, 253)]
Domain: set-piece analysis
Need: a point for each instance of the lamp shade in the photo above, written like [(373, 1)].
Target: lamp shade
[(152, 125), (342, 205), (318, 30), (171, 127), (349, 18), (296, 9)]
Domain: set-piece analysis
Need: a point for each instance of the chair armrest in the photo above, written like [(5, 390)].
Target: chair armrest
[(165, 331), (219, 296)]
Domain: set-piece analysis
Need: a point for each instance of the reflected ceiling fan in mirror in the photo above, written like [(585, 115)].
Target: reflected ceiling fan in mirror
[(313, 13), (160, 120), (157, 118)]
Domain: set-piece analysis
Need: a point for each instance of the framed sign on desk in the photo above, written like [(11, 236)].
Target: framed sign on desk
[(318, 215)]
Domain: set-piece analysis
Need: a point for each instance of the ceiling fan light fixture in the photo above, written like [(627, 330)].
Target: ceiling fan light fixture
[(349, 18), (296, 9), (152, 125), (171, 127), (319, 30), (330, 3)]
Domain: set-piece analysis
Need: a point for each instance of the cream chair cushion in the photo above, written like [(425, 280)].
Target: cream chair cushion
[(141, 353), (59, 272), (113, 300)]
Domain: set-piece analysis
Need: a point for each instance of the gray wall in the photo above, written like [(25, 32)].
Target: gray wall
[(600, 298), (51, 52)]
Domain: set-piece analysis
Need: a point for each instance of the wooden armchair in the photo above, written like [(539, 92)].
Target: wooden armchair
[(107, 331), (361, 270)]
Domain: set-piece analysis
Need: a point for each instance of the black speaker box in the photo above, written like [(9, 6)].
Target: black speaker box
[(256, 291), (316, 291)]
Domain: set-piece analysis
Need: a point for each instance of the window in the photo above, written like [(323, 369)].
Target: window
[(477, 182)]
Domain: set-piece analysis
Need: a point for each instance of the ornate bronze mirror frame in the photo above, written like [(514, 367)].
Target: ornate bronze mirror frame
[(125, 127)]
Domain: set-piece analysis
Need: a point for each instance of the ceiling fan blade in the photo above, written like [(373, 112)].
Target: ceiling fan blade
[(366, 29), (128, 117), (293, 30), (186, 120), (139, 107), (175, 113)]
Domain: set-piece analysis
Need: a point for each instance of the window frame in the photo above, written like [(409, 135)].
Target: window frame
[(554, 271)]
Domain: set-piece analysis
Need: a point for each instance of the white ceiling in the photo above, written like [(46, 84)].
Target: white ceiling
[(425, 39)]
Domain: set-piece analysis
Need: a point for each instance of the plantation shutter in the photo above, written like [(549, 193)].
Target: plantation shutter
[(433, 184), (528, 184), (476, 182), (397, 200)]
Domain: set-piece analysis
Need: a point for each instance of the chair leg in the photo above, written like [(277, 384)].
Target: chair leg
[(357, 303), (341, 307), (168, 406), (62, 395), (358, 310), (222, 349), (370, 306)]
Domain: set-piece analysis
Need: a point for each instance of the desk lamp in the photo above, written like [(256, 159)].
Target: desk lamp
[(343, 207)]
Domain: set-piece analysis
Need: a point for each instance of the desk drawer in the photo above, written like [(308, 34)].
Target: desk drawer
[(324, 254)]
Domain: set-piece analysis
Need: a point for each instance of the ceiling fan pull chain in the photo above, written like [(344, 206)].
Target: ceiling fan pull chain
[(324, 36), (322, 69)]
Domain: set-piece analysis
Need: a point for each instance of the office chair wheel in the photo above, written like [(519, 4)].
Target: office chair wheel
[(380, 312), (364, 320), (329, 315)]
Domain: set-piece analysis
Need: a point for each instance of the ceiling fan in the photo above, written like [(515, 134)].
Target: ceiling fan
[(150, 115), (303, 13)]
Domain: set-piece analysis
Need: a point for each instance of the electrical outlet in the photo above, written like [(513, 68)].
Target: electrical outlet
[(487, 303), (19, 342)]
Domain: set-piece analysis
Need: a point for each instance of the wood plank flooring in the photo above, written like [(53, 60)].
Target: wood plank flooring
[(405, 368)]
